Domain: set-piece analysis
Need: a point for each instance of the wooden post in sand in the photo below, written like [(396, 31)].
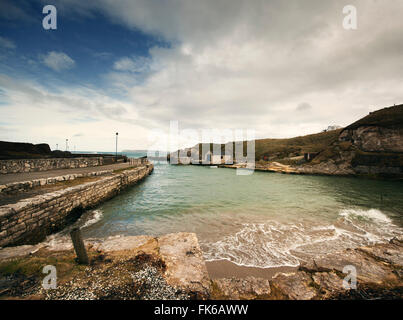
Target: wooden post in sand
[(79, 246)]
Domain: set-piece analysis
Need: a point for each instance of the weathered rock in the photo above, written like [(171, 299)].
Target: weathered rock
[(120, 243), (245, 289), (20, 251), (185, 266), (375, 138), (295, 286), (397, 241), (327, 283), (385, 252), (371, 146), (368, 269)]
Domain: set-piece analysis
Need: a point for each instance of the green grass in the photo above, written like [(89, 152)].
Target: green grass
[(282, 148), (392, 116), (325, 143), (299, 145)]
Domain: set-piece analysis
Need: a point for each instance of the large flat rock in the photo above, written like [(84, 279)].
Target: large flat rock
[(295, 285), (327, 284), (20, 251), (185, 266), (368, 269), (245, 289), (390, 253), (120, 243)]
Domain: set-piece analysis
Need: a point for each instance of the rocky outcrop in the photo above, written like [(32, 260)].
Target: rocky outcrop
[(241, 289), (185, 264), (372, 146), (172, 267), (136, 267), (369, 270), (294, 286), (379, 274), (375, 138)]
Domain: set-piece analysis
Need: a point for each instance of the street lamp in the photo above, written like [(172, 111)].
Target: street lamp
[(66, 144), (116, 152)]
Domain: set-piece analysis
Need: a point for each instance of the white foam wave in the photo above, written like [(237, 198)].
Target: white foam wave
[(62, 241), (274, 244), (97, 216), (372, 214)]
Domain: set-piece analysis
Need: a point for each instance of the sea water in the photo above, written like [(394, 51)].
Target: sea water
[(263, 220)]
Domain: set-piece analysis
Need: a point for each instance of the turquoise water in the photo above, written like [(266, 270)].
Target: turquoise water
[(265, 219)]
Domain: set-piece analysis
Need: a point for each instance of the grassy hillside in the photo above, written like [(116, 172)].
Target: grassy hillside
[(297, 146), (283, 148), (392, 116), (324, 143), (386, 117)]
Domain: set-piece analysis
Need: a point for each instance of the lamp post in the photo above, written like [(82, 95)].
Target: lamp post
[(66, 144), (116, 152)]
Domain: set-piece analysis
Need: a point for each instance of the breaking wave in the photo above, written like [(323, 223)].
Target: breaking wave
[(62, 241), (97, 216), (275, 244), (371, 214)]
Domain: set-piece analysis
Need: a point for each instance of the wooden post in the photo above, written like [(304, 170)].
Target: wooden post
[(79, 246)]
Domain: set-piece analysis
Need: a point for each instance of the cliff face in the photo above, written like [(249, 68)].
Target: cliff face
[(371, 146), (374, 138)]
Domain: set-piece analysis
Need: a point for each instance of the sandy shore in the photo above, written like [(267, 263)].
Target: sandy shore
[(227, 269)]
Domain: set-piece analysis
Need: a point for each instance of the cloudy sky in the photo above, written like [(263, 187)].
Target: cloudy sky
[(282, 68)]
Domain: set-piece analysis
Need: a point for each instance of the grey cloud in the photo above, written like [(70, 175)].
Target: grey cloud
[(237, 63), (90, 104), (303, 106)]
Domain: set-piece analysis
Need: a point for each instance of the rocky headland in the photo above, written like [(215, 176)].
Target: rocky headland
[(371, 147)]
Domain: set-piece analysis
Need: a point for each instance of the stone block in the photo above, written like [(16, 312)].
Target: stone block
[(295, 286), (185, 266), (245, 289)]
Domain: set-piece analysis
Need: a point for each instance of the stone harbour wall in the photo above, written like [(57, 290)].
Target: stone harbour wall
[(16, 187), (138, 161), (32, 165), (31, 220)]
